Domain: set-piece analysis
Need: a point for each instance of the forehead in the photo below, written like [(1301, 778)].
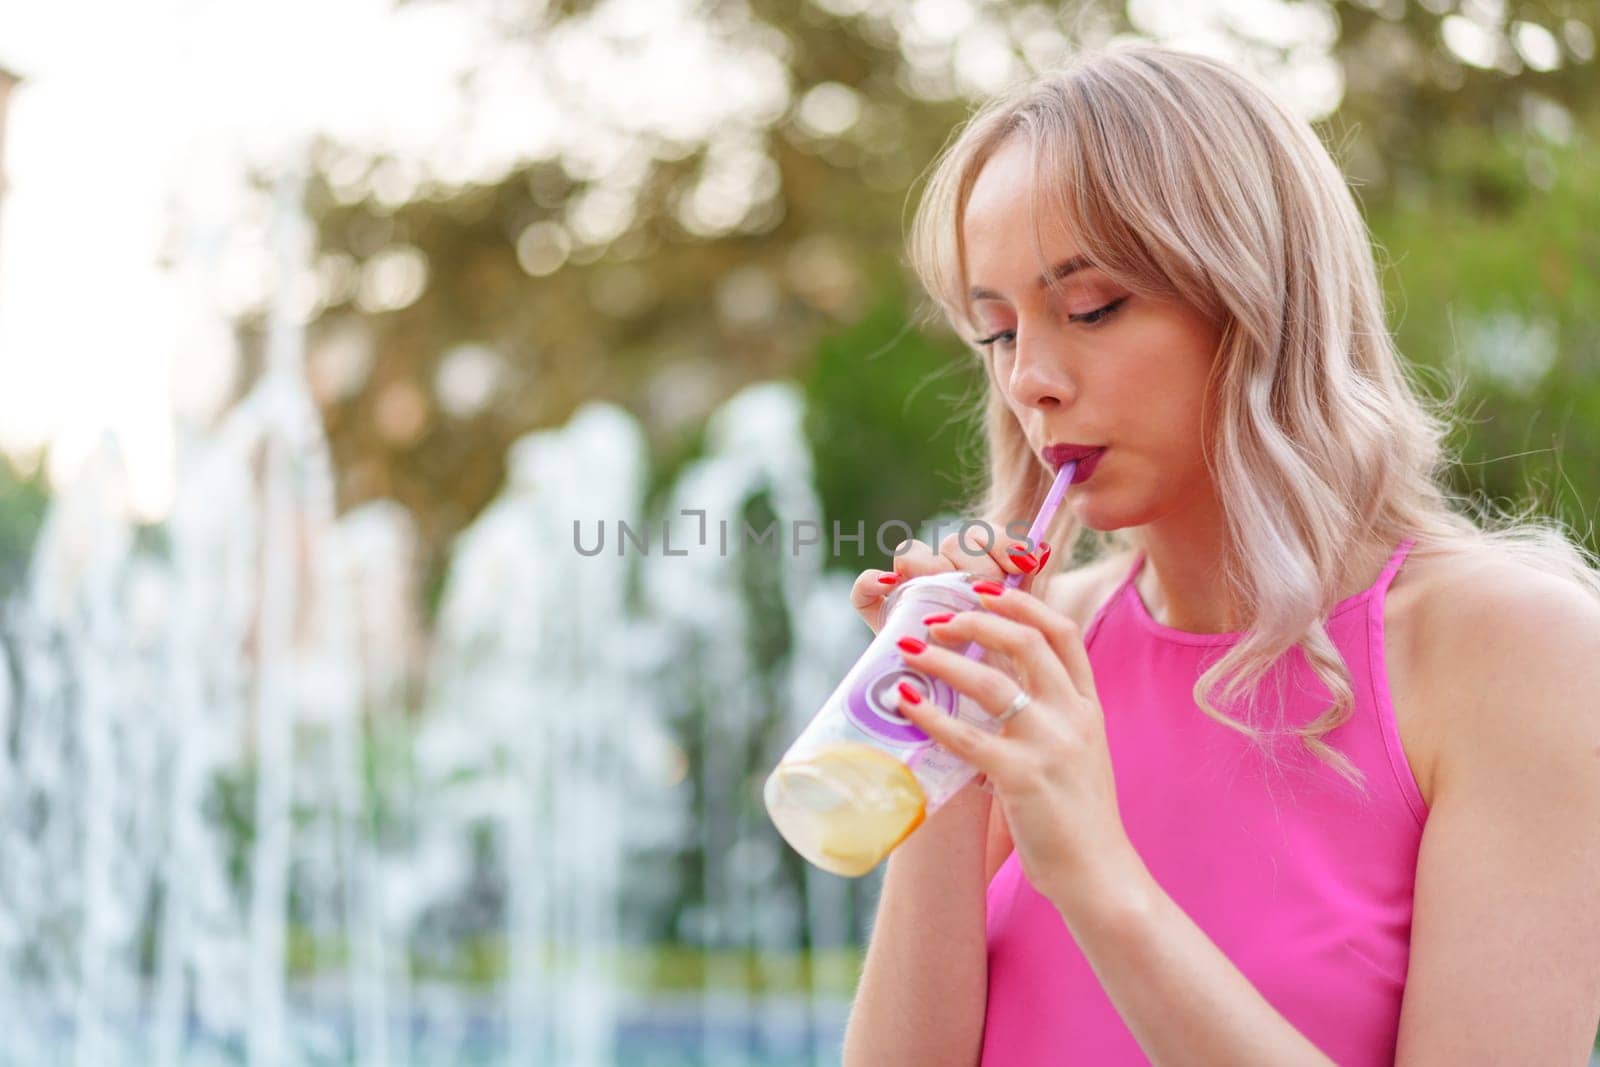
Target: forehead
[(998, 219)]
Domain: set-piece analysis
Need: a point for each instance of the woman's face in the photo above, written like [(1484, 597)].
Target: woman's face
[(1097, 366)]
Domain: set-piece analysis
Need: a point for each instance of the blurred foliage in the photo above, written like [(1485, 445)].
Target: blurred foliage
[(22, 504), (1496, 274), (1478, 180), (883, 390)]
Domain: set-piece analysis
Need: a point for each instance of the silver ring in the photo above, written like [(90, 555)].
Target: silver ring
[(1020, 701)]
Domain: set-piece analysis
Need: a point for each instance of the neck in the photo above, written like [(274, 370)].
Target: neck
[(1182, 583)]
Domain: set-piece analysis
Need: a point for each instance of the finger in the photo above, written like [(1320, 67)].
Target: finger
[(987, 685), (1016, 552), (912, 559), (966, 741), (1017, 648), (1037, 553), (973, 549), (1062, 634), (1022, 556), (871, 587), (983, 548)]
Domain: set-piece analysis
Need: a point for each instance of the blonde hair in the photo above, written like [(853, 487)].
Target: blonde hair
[(1183, 178)]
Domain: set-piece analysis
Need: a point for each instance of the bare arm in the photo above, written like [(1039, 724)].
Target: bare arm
[(921, 997), (1505, 942), (922, 993)]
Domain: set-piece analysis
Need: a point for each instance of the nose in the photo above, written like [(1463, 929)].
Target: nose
[(1039, 377)]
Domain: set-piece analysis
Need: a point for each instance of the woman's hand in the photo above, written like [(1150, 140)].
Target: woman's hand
[(1049, 765), (913, 559)]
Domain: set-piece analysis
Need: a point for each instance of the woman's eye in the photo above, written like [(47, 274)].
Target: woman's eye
[(1088, 318), (1099, 313)]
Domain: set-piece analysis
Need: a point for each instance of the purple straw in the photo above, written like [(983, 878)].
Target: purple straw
[(1041, 523)]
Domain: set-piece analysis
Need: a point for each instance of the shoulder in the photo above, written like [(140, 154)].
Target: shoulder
[(1079, 592), (1510, 658), (1490, 618)]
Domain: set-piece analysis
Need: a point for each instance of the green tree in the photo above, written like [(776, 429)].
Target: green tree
[(1469, 134)]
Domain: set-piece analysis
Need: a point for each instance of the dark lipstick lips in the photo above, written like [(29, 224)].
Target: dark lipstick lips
[(1059, 456)]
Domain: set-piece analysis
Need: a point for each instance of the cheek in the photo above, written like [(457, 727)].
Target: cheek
[(1174, 367), (1184, 408)]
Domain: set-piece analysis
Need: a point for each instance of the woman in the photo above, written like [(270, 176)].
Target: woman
[(1305, 766)]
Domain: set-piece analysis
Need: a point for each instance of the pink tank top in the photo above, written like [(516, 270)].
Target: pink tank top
[(1301, 881)]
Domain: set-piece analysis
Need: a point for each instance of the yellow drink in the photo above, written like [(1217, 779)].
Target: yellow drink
[(845, 806)]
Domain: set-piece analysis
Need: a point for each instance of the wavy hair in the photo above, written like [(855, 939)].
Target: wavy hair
[(1183, 178)]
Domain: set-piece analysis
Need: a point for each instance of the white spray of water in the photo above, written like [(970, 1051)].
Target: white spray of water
[(224, 841)]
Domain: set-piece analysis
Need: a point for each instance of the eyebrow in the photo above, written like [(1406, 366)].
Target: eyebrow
[(1057, 272)]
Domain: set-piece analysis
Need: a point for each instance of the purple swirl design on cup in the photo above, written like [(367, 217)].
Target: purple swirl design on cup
[(873, 701)]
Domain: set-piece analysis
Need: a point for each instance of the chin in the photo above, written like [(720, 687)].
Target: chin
[(1103, 516), (1096, 519)]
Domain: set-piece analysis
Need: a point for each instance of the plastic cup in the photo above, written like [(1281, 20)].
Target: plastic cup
[(861, 777)]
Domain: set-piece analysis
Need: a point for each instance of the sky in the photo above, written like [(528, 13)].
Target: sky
[(132, 145), (130, 233)]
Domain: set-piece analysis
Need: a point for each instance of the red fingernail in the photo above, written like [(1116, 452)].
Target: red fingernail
[(911, 645), (987, 588), (888, 579), (908, 691), (1045, 557), (1025, 561), (934, 620)]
